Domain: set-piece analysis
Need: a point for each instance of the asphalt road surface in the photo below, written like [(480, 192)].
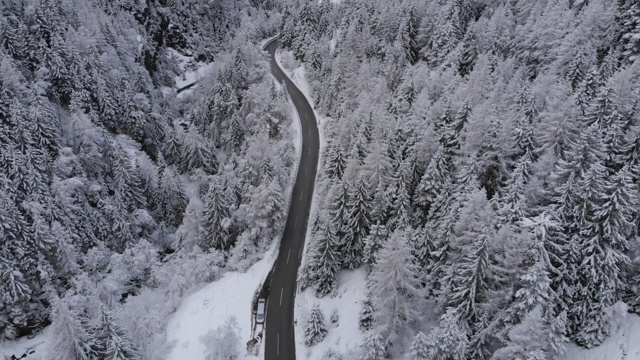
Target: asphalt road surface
[(279, 334)]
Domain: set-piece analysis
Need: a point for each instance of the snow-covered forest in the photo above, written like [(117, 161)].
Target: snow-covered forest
[(117, 195), (482, 161)]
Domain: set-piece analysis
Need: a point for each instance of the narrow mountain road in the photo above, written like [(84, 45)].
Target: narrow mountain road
[(279, 337)]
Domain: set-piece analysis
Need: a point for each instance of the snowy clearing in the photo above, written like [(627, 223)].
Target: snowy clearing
[(25, 345), (622, 344), (343, 337), (190, 72), (210, 307)]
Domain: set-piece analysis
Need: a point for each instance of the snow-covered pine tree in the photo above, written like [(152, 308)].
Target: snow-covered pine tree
[(587, 90), (377, 165), (633, 292), (526, 112), (265, 206), (512, 202), (111, 342), (71, 339), (469, 278), (534, 290), (531, 338), (13, 35), (366, 314), (16, 294), (373, 242), (197, 152), (335, 163), (377, 171), (475, 272), (604, 113), (45, 128), (448, 340), (491, 165), (441, 222), (120, 224), (324, 265), (534, 300), (171, 198), (315, 329), (66, 256), (583, 189), (127, 183), (337, 215), (401, 209), (630, 29), (446, 34), (216, 212), (394, 287), (173, 149), (435, 181), (358, 220), (576, 71), (604, 245), (420, 347), (374, 346), (412, 24), (405, 97)]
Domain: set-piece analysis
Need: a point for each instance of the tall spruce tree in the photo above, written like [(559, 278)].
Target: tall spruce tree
[(216, 212), (358, 221), (71, 338), (325, 262), (394, 287), (315, 329), (111, 342)]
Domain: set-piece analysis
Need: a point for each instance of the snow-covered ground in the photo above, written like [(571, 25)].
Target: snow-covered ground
[(25, 346), (211, 306), (200, 312), (190, 72), (343, 337), (622, 344)]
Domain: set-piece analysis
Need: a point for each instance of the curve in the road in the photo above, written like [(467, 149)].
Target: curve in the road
[(279, 327)]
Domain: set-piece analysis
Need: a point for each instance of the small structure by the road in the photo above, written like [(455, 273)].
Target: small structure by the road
[(253, 347)]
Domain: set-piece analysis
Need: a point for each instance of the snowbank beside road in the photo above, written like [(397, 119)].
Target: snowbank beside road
[(210, 307)]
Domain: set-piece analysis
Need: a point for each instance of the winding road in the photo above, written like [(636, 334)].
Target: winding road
[(279, 327)]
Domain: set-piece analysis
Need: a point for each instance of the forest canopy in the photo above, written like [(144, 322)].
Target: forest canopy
[(481, 162), (116, 195)]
